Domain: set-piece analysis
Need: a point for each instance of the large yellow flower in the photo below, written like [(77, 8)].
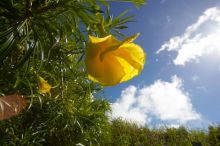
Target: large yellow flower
[(109, 61), (44, 87)]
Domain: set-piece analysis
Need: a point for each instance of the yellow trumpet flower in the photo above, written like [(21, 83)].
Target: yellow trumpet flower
[(44, 87), (110, 61)]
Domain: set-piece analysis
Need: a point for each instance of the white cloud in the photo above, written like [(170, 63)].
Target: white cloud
[(127, 107), (195, 78), (166, 101), (196, 40)]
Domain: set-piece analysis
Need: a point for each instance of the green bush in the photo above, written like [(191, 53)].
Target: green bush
[(214, 136)]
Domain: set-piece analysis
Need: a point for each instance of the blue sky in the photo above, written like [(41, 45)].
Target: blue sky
[(180, 82)]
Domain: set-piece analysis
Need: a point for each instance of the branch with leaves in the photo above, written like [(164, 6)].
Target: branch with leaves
[(43, 45)]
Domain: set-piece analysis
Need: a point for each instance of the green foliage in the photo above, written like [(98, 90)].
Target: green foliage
[(124, 133), (214, 136), (36, 36), (177, 137), (47, 38), (68, 116), (199, 136), (58, 122)]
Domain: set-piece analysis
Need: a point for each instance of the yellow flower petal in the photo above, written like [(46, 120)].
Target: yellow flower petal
[(132, 58), (109, 61), (112, 72), (131, 38), (44, 87), (133, 54), (129, 70), (102, 43), (95, 40), (106, 72), (95, 48)]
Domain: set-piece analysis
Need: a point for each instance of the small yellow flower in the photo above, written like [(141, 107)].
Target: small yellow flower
[(110, 61), (44, 87)]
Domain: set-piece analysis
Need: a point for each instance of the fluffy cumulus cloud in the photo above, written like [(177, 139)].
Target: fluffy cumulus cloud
[(165, 101), (200, 38)]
